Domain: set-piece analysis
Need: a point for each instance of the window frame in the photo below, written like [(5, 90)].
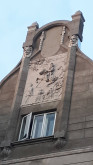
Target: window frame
[(31, 125), (30, 118)]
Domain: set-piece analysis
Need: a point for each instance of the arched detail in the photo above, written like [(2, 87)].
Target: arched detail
[(50, 25)]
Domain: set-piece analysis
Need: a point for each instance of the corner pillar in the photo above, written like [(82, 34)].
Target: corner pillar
[(64, 106), (15, 110)]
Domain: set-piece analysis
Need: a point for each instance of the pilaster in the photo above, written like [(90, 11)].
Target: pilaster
[(15, 110), (76, 29)]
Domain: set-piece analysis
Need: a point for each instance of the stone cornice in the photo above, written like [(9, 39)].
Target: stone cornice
[(52, 155)]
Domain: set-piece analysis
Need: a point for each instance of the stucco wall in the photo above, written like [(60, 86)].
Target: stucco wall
[(7, 90), (73, 157), (81, 111), (77, 82)]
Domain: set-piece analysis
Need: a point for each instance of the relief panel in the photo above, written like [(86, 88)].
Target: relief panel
[(45, 80)]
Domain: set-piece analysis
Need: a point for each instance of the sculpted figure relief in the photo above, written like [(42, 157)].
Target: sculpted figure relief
[(73, 41), (40, 61), (30, 92), (27, 51), (49, 74), (40, 95), (46, 78), (50, 93)]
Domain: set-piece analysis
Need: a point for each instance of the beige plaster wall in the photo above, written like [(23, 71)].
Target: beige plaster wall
[(6, 97), (81, 112), (74, 157)]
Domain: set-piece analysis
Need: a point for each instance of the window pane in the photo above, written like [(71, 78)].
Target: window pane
[(50, 118), (37, 126), (24, 131), (23, 135)]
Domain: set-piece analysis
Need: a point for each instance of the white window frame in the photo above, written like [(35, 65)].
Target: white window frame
[(32, 130), (28, 126), (43, 129), (43, 125)]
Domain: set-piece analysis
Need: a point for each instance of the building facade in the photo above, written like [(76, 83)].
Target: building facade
[(46, 102)]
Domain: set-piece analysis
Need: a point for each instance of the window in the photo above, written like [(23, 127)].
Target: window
[(36, 126), (25, 125)]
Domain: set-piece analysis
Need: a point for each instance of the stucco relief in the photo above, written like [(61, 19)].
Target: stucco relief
[(62, 35), (73, 41), (45, 80), (27, 51), (42, 37)]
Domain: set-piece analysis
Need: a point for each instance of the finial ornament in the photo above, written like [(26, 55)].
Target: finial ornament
[(73, 40), (27, 51)]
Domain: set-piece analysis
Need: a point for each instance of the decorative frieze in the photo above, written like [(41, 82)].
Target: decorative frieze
[(45, 80), (62, 35), (73, 40), (42, 37)]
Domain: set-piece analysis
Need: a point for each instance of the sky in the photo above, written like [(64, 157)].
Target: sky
[(16, 16)]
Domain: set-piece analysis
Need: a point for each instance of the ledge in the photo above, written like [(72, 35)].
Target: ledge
[(33, 141), (52, 155)]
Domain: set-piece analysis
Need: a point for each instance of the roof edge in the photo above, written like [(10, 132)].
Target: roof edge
[(10, 74), (50, 25), (84, 56)]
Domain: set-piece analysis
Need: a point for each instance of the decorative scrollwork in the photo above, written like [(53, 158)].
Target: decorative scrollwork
[(62, 35), (42, 37)]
